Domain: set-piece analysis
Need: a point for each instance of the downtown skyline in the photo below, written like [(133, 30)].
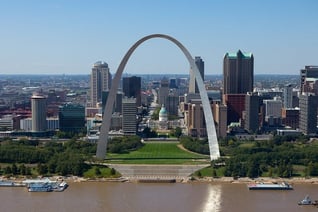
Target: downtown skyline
[(68, 37)]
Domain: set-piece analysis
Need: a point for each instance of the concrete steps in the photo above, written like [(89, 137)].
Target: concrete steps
[(156, 171)]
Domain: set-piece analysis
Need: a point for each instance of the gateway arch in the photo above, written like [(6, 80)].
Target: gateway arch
[(211, 132)]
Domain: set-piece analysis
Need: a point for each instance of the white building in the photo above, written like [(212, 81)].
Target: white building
[(273, 108)]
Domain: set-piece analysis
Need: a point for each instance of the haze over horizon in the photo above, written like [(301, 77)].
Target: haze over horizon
[(68, 37)]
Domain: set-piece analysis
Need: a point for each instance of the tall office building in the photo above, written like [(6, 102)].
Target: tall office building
[(129, 124), (235, 106), (193, 87), (195, 119), (252, 105), (117, 104), (172, 103), (38, 107), (308, 104), (290, 117), (288, 96), (163, 91), (173, 83), (100, 81), (238, 73), (307, 73), (219, 112), (72, 118), (132, 88)]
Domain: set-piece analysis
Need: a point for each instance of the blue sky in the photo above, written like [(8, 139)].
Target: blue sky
[(67, 37)]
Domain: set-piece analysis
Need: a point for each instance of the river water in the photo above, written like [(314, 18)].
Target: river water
[(144, 197)]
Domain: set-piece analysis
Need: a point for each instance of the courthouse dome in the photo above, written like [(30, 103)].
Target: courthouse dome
[(163, 114)]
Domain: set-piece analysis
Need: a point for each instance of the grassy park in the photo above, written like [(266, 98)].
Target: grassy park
[(158, 153)]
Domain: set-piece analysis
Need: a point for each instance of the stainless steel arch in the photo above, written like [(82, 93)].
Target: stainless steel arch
[(212, 138)]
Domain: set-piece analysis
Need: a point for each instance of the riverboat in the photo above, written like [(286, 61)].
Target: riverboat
[(307, 201), (8, 183), (60, 186), (43, 181), (45, 185), (5, 183), (270, 186), (40, 187)]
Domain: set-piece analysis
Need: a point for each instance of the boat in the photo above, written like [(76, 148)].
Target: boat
[(39, 187), (32, 181), (307, 201), (270, 186), (5, 183), (60, 186), (45, 185)]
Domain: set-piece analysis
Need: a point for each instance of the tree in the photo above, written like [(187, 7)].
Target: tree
[(28, 171), (97, 171), (22, 169), (177, 132), (14, 169), (112, 171), (214, 175), (8, 170), (42, 168)]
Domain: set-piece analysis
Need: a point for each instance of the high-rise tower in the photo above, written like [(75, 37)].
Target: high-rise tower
[(132, 88), (193, 87), (100, 81), (38, 106), (308, 103), (288, 96), (163, 91), (238, 73), (129, 116), (307, 73)]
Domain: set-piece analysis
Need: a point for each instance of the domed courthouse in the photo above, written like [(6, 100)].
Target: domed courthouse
[(163, 118)]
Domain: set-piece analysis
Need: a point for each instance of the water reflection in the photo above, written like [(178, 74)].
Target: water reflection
[(213, 198)]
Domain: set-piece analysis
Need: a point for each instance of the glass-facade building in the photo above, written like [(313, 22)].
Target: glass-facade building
[(71, 118)]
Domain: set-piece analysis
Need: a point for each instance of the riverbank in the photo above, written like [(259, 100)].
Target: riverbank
[(245, 180)]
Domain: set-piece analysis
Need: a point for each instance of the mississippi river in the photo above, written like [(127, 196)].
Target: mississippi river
[(174, 197)]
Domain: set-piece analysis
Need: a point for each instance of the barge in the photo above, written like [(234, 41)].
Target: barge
[(270, 186)]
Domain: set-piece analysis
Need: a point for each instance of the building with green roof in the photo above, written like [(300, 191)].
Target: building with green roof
[(238, 73)]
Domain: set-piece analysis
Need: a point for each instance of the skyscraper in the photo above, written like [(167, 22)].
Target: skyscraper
[(129, 116), (238, 73), (132, 88), (163, 91), (308, 113), (252, 105), (100, 81), (38, 107), (305, 74), (288, 96), (193, 87)]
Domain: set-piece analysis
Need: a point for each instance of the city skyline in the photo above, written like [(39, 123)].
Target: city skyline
[(68, 37)]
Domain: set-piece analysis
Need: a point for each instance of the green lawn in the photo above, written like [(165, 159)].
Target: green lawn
[(158, 153)]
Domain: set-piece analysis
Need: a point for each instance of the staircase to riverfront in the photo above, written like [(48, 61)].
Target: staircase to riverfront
[(156, 171)]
